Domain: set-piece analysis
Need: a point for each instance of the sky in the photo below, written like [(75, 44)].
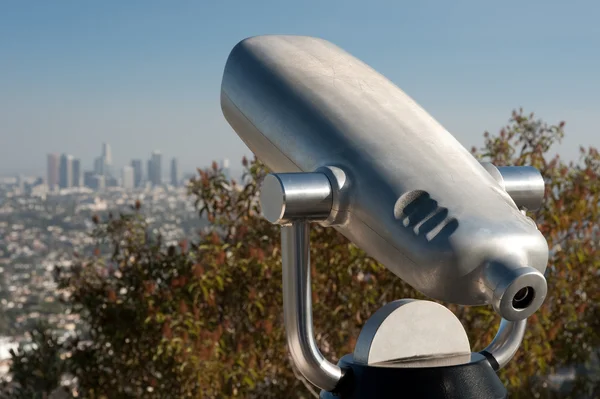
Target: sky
[(146, 75)]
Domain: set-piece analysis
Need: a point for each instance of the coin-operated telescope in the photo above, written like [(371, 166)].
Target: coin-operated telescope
[(352, 151)]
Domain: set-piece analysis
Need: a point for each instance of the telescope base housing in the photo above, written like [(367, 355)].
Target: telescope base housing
[(475, 379)]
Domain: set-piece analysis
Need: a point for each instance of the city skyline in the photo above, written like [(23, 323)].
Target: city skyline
[(65, 171), (107, 149), (145, 75), (89, 164)]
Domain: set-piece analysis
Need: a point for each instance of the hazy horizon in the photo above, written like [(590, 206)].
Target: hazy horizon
[(145, 75)]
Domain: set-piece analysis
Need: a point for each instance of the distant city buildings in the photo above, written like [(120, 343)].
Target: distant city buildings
[(106, 154), (155, 168), (106, 160), (101, 177), (94, 181), (99, 166), (138, 175), (148, 172), (65, 174), (65, 171), (52, 171), (128, 178), (174, 173), (111, 181), (40, 235), (103, 164), (76, 178), (89, 178)]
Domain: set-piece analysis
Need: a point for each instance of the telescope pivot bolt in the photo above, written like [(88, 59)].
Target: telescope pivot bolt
[(524, 184), (285, 197)]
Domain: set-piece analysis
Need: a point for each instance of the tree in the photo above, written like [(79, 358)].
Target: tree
[(37, 367), (204, 319)]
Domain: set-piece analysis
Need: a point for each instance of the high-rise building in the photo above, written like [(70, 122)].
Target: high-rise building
[(99, 166), (97, 182), (136, 164), (89, 179), (156, 168), (106, 154), (111, 181), (65, 175), (103, 164), (128, 177), (174, 173), (77, 177), (149, 172), (52, 171)]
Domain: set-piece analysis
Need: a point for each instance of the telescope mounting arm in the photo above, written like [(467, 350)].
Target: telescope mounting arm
[(293, 201)]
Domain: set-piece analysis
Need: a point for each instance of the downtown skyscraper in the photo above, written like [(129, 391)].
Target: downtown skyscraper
[(65, 175), (174, 173), (103, 164), (52, 171), (64, 171), (99, 166), (127, 177), (77, 177), (155, 168), (138, 174), (106, 154)]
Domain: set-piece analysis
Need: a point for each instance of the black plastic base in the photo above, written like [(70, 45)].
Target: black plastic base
[(473, 380)]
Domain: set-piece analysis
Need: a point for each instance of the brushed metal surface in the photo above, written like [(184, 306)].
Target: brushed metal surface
[(285, 197), (297, 309), (524, 184), (413, 333), (507, 341), (417, 200)]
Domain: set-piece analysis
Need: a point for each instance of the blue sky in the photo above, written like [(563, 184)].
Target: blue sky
[(145, 75)]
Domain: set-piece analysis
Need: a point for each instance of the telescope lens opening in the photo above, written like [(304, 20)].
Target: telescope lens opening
[(523, 298)]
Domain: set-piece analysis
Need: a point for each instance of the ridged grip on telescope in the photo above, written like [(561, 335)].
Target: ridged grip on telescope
[(411, 195)]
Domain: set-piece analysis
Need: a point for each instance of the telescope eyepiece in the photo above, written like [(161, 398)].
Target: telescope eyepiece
[(523, 298), (515, 292)]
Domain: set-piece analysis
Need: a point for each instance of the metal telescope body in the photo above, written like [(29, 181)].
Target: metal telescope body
[(411, 195), (351, 150)]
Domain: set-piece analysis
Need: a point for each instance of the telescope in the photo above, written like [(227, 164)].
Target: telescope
[(350, 150)]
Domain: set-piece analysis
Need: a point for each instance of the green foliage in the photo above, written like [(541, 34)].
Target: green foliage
[(566, 330), (37, 368), (129, 303), (204, 319)]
